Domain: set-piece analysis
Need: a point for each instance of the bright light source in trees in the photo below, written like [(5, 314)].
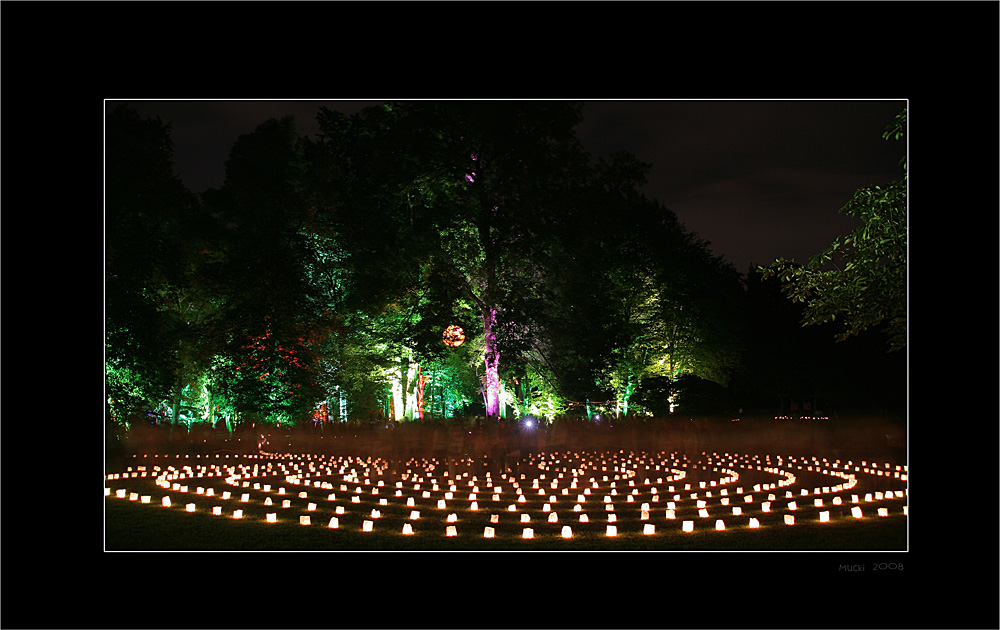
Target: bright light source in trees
[(453, 336)]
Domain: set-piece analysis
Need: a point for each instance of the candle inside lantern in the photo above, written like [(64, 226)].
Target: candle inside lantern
[(304, 520), (272, 517), (528, 533), (367, 526), (720, 525), (824, 516), (334, 522), (611, 531), (754, 523), (165, 501), (217, 510), (238, 514), (451, 531), (883, 511), (856, 512), (567, 532), (688, 526), (789, 519), (189, 507), (488, 532)]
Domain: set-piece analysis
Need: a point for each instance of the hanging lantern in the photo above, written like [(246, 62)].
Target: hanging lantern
[(453, 336)]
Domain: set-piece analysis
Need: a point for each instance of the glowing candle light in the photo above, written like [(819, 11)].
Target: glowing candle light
[(238, 514), (525, 518), (792, 506), (688, 526), (407, 529), (837, 500), (334, 522), (567, 532), (474, 506), (441, 504), (611, 531), (451, 531), (217, 510), (612, 518), (765, 507), (553, 518), (856, 512), (754, 523), (789, 519), (376, 514), (488, 532), (737, 511), (720, 525), (883, 511), (494, 518), (584, 519), (703, 513), (817, 502), (145, 498), (367, 526), (120, 493), (824, 517), (670, 514), (189, 507), (528, 533), (272, 517), (165, 501), (226, 495)]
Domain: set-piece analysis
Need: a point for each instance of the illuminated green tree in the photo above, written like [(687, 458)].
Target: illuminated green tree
[(279, 276), (860, 279), (460, 197), (149, 221)]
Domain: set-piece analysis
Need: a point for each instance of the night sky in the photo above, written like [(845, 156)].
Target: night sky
[(757, 179)]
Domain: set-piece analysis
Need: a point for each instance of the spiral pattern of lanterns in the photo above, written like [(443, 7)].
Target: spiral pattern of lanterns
[(557, 495)]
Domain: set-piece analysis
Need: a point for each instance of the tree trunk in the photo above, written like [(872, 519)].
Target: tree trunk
[(492, 363)]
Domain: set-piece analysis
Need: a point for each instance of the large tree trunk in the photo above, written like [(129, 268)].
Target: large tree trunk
[(492, 363)]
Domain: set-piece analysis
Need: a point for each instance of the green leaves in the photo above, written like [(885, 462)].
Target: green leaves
[(861, 277)]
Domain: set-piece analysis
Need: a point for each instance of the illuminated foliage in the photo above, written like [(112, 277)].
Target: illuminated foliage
[(861, 278)]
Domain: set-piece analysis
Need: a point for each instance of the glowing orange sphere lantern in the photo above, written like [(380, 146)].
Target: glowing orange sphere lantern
[(453, 336)]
